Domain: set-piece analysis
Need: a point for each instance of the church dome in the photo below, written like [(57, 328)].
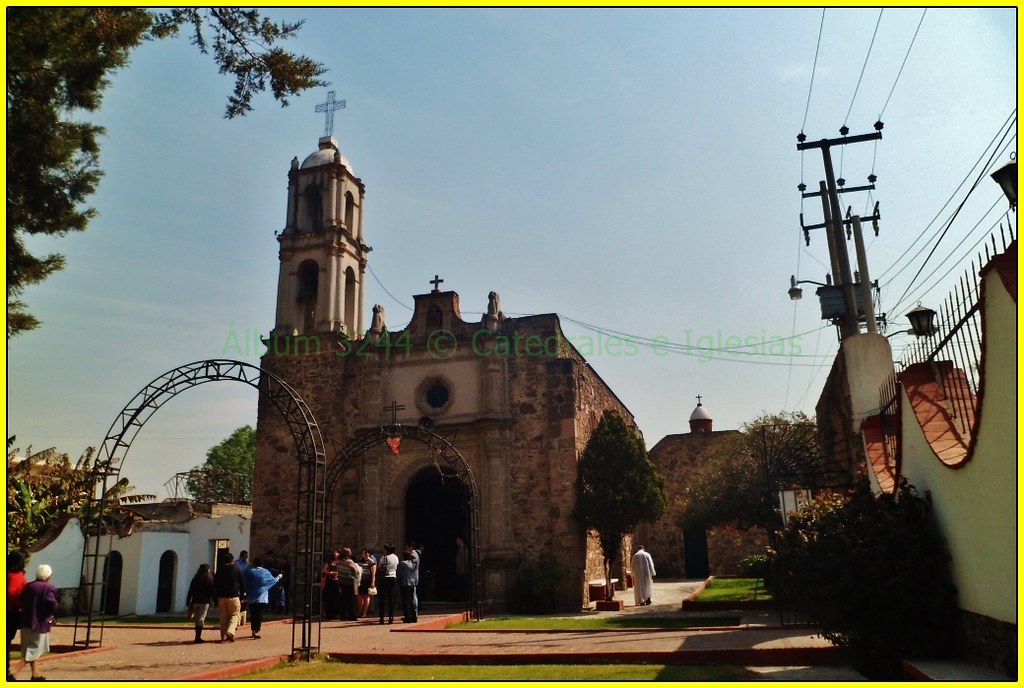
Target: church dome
[(700, 419), (325, 155), (700, 413)]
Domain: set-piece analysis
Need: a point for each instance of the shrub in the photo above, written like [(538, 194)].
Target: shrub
[(538, 586), (756, 566), (873, 572)]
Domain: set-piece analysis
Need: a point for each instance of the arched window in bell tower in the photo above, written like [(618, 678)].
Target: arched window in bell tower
[(308, 287), (350, 214), (314, 207), (351, 302)]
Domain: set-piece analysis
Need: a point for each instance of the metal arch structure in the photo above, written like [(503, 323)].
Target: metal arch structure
[(311, 475), (445, 456)]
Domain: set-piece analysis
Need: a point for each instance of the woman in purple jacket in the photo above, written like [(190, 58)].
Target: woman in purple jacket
[(39, 604)]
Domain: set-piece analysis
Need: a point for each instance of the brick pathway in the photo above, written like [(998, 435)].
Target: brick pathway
[(168, 653)]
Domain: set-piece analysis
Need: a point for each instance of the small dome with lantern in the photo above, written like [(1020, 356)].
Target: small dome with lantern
[(700, 419)]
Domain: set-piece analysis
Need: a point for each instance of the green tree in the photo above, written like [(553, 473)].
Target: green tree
[(738, 484), (47, 486), (617, 486), (226, 476), (874, 573), (59, 60)]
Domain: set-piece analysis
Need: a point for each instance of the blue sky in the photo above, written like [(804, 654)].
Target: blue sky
[(633, 169)]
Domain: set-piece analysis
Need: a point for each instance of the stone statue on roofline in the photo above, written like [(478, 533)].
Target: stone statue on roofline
[(493, 318)]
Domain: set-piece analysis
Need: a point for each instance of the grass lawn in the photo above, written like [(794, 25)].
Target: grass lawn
[(734, 590), (560, 623), (330, 670)]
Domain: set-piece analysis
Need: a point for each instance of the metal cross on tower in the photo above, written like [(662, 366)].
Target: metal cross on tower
[(698, 400), (436, 281), (329, 107)]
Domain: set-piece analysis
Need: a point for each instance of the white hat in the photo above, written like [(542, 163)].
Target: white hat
[(44, 572)]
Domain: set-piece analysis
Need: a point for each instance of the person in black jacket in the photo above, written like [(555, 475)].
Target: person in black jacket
[(229, 589), (199, 597)]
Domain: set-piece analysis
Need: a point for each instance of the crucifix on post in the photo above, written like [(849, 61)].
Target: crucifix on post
[(436, 281)]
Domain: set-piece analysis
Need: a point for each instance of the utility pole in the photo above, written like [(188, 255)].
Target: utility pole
[(839, 255), (865, 279)]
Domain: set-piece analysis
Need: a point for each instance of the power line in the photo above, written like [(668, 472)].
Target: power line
[(661, 344), (952, 196), (386, 289), (985, 235), (814, 68), (949, 224), (810, 382), (863, 67), (895, 81)]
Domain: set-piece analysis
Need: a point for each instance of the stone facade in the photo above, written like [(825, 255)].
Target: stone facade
[(515, 399)]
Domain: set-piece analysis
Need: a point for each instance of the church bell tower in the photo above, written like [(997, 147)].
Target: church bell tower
[(322, 253)]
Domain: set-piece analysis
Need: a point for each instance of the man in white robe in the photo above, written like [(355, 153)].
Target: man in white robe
[(643, 577)]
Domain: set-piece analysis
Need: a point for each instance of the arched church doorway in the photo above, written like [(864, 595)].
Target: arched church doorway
[(437, 510), (459, 508), (165, 582)]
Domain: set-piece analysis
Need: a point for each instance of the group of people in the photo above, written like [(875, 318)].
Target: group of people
[(234, 584), (349, 585), (31, 611)]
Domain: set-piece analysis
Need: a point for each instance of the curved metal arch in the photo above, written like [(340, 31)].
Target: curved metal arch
[(444, 455), (312, 471)]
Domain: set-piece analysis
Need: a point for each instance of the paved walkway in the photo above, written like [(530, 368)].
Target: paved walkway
[(168, 653)]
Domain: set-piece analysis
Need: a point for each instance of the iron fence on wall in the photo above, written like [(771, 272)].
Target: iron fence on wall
[(956, 339)]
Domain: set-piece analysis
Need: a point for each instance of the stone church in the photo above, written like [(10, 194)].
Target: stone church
[(695, 553), (512, 395)]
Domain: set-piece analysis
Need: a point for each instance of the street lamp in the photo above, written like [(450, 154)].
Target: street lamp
[(796, 293), (830, 297), (922, 321), (1006, 177)]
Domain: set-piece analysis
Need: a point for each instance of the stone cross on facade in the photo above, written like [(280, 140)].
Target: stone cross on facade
[(436, 281), (329, 107)]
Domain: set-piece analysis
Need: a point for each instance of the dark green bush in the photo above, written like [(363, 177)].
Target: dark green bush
[(872, 571), (756, 566), (539, 587)]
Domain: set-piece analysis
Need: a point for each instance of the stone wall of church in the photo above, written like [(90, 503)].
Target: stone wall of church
[(728, 547), (556, 399), (678, 457), (593, 399), (318, 378)]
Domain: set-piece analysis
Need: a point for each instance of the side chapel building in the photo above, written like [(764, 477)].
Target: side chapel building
[(695, 553), (514, 397)]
